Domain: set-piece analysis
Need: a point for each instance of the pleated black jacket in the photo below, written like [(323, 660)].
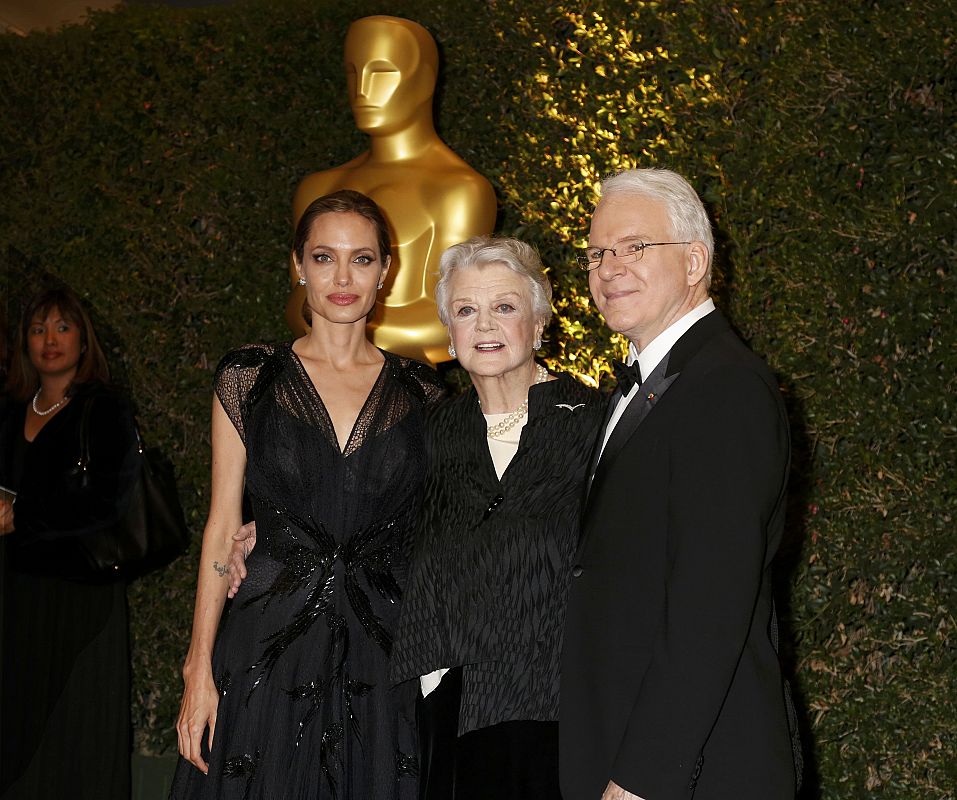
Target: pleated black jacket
[(490, 571)]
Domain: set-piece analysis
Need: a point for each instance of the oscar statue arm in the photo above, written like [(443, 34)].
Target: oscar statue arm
[(466, 208)]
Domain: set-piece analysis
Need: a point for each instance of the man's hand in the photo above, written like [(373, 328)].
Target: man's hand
[(614, 792), (6, 517), (244, 540)]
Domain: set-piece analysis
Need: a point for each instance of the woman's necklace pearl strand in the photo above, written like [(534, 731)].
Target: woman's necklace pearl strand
[(50, 410), (494, 431)]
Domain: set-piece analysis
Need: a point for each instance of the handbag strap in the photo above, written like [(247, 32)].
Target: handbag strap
[(84, 461)]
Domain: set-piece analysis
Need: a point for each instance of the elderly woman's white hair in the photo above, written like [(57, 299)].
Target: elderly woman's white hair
[(512, 253), (689, 220)]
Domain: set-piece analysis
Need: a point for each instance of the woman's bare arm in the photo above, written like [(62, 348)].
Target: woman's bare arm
[(200, 696)]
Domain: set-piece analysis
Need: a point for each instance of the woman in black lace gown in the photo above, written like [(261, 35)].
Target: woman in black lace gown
[(294, 701)]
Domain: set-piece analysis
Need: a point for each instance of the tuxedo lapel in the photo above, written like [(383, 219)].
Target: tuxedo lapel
[(650, 394), (596, 450)]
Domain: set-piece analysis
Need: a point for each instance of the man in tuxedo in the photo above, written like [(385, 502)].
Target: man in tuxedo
[(671, 686)]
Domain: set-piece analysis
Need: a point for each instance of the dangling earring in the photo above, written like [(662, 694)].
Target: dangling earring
[(302, 281), (537, 344), (452, 350), (381, 284)]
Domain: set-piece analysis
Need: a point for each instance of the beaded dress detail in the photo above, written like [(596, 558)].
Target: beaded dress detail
[(302, 657)]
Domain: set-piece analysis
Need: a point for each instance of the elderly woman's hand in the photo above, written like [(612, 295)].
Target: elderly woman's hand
[(244, 540), (6, 517)]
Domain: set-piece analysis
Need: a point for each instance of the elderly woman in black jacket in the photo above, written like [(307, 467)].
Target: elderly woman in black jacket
[(485, 604)]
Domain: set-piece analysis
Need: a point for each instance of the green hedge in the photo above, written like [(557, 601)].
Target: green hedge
[(149, 159)]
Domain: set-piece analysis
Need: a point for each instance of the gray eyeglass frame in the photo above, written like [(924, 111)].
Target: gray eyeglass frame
[(589, 264)]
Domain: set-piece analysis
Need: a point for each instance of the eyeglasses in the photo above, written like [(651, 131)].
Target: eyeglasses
[(633, 251)]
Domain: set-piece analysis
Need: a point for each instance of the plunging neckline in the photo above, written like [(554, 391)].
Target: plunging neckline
[(364, 409), (44, 426)]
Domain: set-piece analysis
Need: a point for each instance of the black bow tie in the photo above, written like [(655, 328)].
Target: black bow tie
[(626, 375)]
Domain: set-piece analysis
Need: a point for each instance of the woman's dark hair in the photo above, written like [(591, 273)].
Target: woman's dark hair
[(345, 201), (23, 379)]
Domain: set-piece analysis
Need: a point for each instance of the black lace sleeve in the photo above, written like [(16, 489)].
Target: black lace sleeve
[(239, 377), (432, 385), (421, 380)]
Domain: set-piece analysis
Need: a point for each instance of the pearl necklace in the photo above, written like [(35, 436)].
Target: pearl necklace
[(500, 428), (50, 410)]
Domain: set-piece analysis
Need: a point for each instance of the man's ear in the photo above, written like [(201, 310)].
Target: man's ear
[(698, 263)]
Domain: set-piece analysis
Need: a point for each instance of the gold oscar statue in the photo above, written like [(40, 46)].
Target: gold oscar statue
[(430, 196)]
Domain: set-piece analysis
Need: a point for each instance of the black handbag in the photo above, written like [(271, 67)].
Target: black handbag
[(150, 529)]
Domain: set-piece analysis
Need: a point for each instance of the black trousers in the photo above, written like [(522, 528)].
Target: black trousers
[(516, 760)]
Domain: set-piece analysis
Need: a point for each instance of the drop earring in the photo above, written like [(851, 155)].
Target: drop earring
[(302, 281), (381, 284), (452, 350), (537, 344)]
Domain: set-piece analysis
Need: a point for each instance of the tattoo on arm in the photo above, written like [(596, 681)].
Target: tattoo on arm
[(221, 569)]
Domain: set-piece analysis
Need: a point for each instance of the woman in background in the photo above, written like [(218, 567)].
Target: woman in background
[(65, 712)]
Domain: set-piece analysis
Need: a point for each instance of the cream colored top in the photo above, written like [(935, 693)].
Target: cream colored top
[(503, 448)]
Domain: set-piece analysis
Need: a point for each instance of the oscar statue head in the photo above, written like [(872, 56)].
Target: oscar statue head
[(391, 68)]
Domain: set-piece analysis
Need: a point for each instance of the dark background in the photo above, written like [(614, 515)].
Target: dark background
[(149, 159)]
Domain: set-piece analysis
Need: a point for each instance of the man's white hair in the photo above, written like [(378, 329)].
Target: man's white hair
[(689, 220)]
